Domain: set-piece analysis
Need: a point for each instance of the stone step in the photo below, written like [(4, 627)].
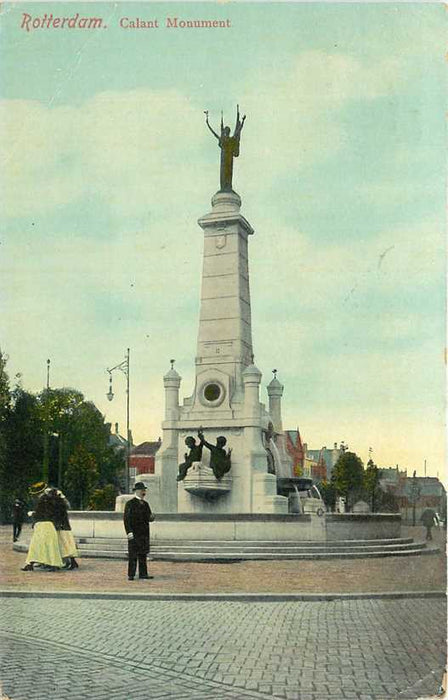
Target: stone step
[(225, 557), (253, 547), (228, 551), (122, 541)]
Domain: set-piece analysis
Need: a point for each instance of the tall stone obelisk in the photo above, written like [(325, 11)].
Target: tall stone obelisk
[(224, 347)]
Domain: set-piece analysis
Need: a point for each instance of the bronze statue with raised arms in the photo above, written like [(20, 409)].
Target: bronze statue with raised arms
[(230, 148)]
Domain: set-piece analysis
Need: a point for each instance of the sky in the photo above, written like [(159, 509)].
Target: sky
[(107, 165)]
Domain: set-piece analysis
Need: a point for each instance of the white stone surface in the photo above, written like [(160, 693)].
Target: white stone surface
[(271, 529), (84, 525), (361, 507)]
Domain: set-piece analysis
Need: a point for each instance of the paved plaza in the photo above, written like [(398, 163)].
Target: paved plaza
[(149, 649)]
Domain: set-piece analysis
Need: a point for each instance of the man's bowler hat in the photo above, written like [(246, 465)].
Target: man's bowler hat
[(139, 485)]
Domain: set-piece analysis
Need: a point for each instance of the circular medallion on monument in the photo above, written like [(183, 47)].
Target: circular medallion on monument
[(212, 393)]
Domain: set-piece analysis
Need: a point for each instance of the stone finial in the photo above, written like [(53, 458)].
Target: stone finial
[(275, 388), (171, 378)]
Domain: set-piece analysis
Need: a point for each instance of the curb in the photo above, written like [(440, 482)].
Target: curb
[(232, 597)]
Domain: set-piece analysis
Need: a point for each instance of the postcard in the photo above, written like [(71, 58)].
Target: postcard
[(222, 365)]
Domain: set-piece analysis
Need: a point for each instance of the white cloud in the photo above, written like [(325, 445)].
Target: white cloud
[(299, 121), (127, 148)]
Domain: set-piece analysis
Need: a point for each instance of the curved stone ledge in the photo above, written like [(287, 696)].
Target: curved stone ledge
[(244, 526), (366, 526), (363, 517), (199, 517)]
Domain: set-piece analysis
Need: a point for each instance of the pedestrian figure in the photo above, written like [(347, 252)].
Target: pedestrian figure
[(18, 516), (67, 544), (44, 544), (429, 519), (137, 516)]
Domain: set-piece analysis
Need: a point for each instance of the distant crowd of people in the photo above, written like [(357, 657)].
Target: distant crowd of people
[(52, 544)]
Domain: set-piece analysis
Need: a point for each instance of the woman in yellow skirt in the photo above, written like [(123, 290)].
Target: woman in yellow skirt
[(67, 544), (44, 545)]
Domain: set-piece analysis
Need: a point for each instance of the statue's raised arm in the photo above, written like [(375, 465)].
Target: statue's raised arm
[(208, 124), (239, 123)]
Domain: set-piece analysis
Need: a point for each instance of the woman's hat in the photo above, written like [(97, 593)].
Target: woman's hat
[(139, 485), (37, 488)]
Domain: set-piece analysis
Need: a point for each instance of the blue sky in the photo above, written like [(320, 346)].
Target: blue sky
[(109, 166)]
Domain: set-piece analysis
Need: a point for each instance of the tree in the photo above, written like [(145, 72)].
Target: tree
[(347, 476), (387, 502), (103, 499), (71, 421), (328, 492), (44, 435), (57, 407), (371, 483), (5, 398), (80, 477), (24, 447), (5, 393)]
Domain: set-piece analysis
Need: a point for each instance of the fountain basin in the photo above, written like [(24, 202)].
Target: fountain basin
[(244, 527), (200, 481)]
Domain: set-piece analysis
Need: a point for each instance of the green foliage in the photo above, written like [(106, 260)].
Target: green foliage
[(5, 393), (347, 476), (80, 477), (53, 430), (24, 448), (112, 467), (103, 499), (371, 484), (328, 492), (387, 502), (5, 398), (77, 422)]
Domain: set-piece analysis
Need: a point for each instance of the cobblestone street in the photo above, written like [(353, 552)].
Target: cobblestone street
[(143, 649)]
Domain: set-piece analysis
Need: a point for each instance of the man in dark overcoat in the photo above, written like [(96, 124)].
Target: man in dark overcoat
[(137, 516), (429, 519), (18, 516)]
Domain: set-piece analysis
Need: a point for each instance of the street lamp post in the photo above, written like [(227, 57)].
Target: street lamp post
[(123, 367)]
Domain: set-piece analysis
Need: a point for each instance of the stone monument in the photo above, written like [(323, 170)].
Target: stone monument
[(224, 409)]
